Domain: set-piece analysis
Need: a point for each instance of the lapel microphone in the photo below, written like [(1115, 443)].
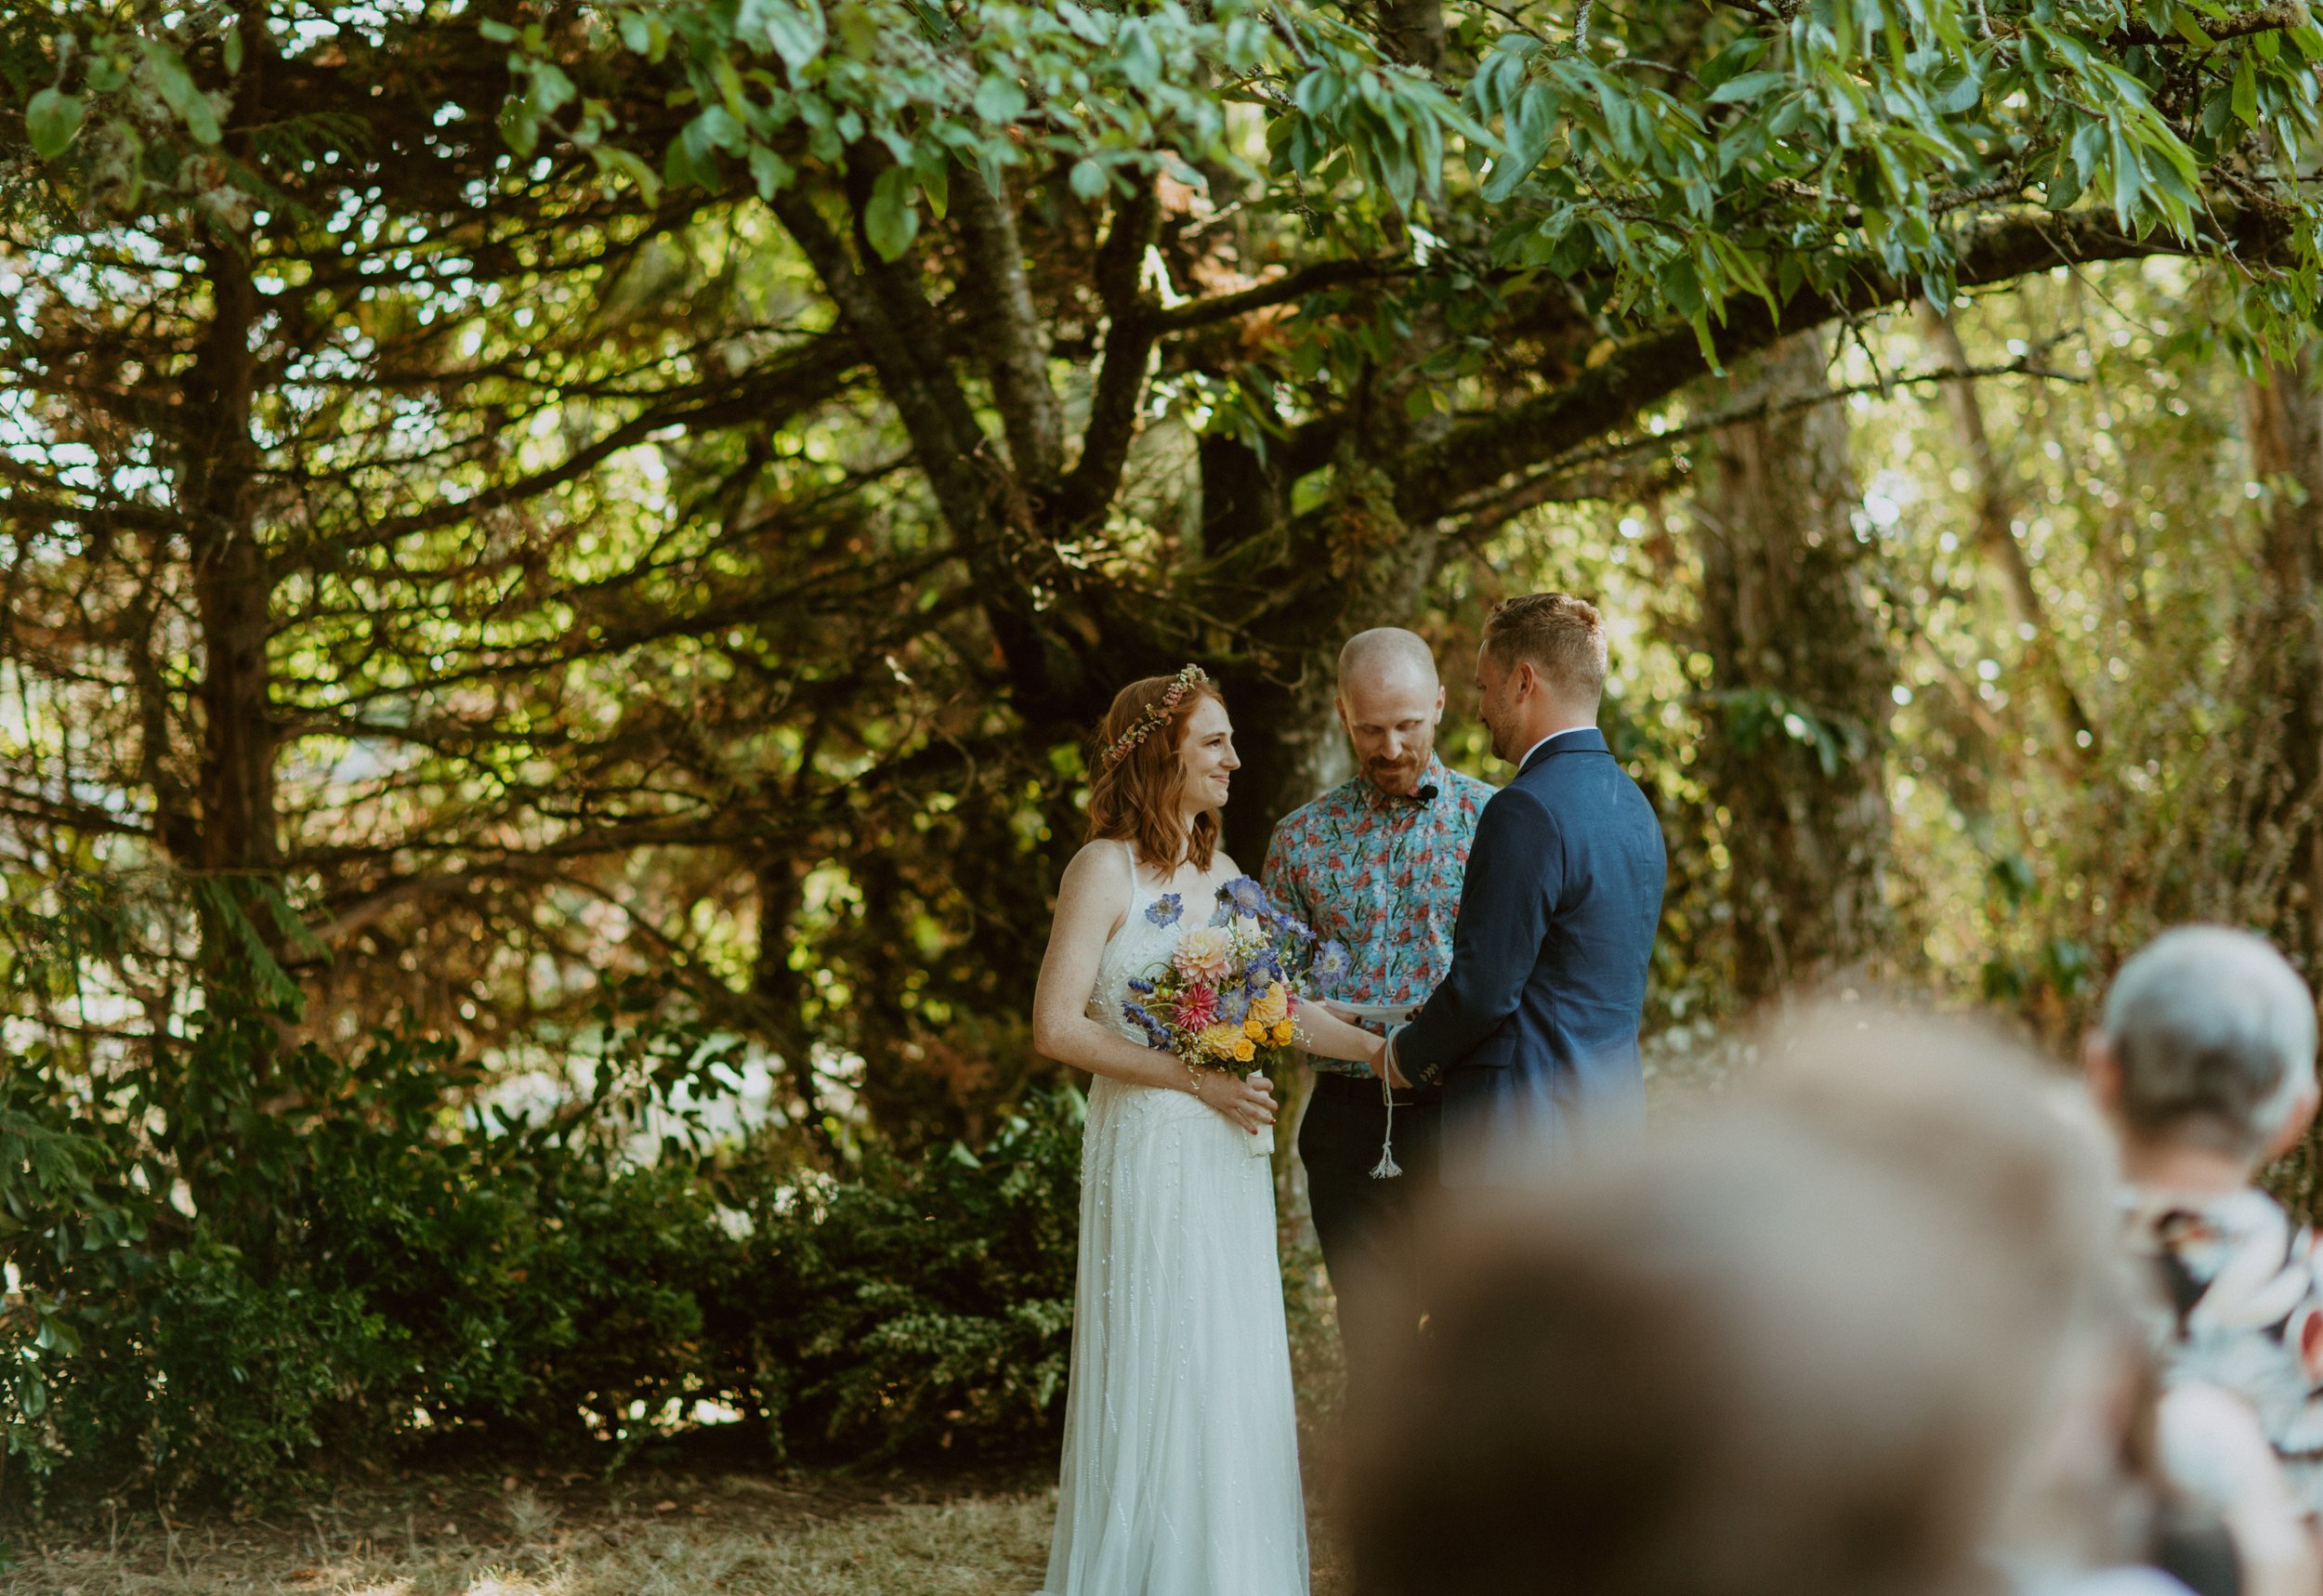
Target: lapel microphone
[(1426, 794)]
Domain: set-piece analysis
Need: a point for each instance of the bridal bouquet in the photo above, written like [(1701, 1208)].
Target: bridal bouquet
[(1228, 996)]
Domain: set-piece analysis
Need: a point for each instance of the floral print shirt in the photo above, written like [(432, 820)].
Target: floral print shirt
[(2240, 1292), (1382, 875)]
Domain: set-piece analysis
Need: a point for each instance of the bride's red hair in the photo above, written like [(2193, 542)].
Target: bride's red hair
[(1139, 800)]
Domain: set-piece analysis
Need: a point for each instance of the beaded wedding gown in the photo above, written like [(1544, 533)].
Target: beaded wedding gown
[(1181, 1470)]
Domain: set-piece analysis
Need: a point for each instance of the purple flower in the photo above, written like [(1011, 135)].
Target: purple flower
[(1142, 987), (1245, 895), (1233, 1005), (1166, 909), (1157, 1034), (1331, 962)]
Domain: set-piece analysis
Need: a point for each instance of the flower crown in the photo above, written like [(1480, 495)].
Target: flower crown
[(1144, 725)]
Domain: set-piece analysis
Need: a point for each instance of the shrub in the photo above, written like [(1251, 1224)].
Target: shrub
[(365, 1260), (929, 1302)]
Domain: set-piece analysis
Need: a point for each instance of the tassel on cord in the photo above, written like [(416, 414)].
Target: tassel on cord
[(1387, 1169)]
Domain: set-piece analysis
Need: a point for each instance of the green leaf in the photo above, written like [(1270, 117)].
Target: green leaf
[(552, 90), (1750, 85), (232, 49), (1087, 179), (520, 129), (795, 28), (1952, 96), (2127, 180), (175, 87), (613, 161), (891, 221), (999, 99), (501, 33), (771, 173), (52, 119)]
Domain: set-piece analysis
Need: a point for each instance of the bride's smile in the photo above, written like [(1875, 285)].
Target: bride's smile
[(1209, 757)]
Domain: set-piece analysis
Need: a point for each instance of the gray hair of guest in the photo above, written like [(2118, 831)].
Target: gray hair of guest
[(2215, 1035)]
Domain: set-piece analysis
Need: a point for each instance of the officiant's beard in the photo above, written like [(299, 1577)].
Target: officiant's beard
[(1400, 777)]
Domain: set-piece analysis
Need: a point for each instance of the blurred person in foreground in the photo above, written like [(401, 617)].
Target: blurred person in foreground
[(2203, 1062), (2123, 1480), (1844, 1334)]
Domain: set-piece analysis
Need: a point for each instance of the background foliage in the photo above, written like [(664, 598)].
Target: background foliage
[(558, 557)]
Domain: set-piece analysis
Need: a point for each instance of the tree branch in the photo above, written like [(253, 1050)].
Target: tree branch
[(1432, 479), (1277, 291), (1122, 375), (1013, 351), (2268, 18)]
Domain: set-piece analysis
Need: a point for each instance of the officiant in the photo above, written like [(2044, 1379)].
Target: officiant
[(1377, 863)]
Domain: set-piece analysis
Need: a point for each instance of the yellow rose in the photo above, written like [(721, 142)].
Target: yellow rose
[(1254, 1028), (1283, 1034), (1272, 1006), (1221, 1039), (1244, 1052)]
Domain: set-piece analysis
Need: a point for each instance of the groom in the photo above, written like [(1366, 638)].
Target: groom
[(1533, 1033)]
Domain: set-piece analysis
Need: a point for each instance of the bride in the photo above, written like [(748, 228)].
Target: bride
[(1181, 1472)]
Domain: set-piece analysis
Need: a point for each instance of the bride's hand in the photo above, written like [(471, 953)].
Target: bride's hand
[(1250, 1103)]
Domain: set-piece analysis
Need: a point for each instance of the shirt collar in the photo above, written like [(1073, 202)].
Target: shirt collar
[(1548, 740), (1434, 775)]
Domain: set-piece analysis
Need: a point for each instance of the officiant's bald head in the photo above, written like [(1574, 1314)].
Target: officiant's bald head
[(1390, 704), (1384, 655)]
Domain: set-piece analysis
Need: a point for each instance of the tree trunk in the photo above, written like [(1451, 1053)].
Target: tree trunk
[(2281, 767), (777, 993), (240, 842), (2074, 742), (1795, 750)]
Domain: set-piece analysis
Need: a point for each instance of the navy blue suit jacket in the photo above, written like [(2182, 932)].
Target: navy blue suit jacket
[(1533, 1033)]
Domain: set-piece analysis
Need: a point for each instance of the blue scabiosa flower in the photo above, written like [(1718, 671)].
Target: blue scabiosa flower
[(1233, 1005), (1331, 962), (1157, 1034), (1165, 910), (1245, 895)]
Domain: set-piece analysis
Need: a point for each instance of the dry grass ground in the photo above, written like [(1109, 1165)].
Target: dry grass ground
[(695, 1533), (645, 1534)]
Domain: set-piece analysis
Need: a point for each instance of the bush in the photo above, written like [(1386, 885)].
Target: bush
[(361, 1264), (930, 1302)]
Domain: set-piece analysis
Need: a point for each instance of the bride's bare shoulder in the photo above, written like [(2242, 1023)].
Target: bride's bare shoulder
[(1099, 865)]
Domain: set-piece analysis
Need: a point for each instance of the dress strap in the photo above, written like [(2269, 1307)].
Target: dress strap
[(1129, 852)]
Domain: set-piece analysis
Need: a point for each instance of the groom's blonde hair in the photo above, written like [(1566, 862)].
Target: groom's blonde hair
[(1560, 636)]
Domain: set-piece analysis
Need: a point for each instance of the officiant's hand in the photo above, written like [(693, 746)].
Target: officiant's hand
[(1250, 1103)]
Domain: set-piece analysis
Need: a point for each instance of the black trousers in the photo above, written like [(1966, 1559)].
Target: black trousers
[(1363, 1225)]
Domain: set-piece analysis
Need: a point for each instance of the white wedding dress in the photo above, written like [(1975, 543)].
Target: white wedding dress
[(1181, 1470)]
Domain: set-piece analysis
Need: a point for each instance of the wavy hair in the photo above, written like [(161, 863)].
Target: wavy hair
[(1139, 800)]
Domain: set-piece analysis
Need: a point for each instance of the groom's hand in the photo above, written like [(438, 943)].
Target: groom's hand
[(1384, 1065)]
